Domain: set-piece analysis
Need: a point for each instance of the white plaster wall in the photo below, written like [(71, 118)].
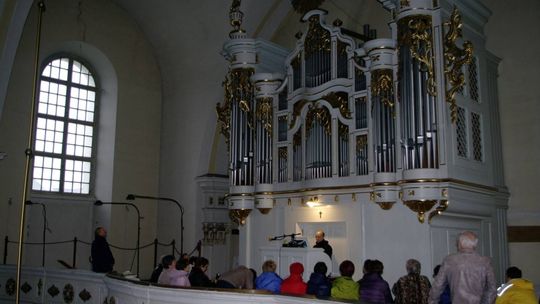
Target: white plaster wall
[(511, 33), (88, 29)]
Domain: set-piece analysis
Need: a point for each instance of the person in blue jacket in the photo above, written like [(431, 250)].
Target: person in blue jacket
[(319, 284), (269, 280)]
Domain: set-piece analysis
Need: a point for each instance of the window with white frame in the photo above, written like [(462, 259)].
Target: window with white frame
[(64, 145)]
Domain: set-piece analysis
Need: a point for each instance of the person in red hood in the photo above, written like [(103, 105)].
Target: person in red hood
[(294, 284)]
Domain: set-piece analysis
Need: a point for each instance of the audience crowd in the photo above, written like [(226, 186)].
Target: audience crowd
[(463, 278)]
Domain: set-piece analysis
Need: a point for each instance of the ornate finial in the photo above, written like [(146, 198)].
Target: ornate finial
[(304, 6), (235, 18)]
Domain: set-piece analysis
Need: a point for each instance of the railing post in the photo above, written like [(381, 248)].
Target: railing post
[(173, 243), (155, 252), (6, 242), (74, 265)]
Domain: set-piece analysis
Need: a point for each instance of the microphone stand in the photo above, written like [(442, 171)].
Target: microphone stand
[(99, 203), (131, 197), (45, 227)]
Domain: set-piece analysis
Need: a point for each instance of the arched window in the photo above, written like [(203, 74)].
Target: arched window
[(65, 129)]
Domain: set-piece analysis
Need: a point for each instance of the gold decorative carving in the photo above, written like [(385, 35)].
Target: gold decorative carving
[(264, 210), (239, 216), (416, 33), (361, 142), (444, 192), (403, 3), (353, 197), (443, 204), (386, 205), (343, 131), (297, 108), (282, 153), (336, 198), (420, 207), (239, 89), (317, 38), (454, 59), (339, 100), (382, 86), (322, 115), (297, 139), (264, 113), (411, 192), (304, 6)]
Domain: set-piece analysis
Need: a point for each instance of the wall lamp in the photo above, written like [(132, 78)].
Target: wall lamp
[(45, 227), (100, 203), (131, 197)]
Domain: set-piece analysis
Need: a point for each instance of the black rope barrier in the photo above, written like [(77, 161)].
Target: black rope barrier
[(75, 242)]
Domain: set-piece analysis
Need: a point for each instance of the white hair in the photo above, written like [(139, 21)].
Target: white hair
[(467, 240)]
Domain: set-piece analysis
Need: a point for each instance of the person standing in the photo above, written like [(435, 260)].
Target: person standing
[(470, 275), (516, 290), (101, 255), (320, 242), (412, 288)]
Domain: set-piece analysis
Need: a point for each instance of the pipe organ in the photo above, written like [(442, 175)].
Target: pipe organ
[(340, 115)]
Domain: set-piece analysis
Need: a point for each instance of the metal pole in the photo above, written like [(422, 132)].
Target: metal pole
[(155, 252), (28, 153), (74, 265), (6, 242)]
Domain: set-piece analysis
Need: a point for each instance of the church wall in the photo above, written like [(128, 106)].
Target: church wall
[(509, 37), (128, 150)]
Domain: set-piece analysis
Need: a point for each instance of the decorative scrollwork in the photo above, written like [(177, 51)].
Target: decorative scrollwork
[(53, 291), (85, 295), (322, 115), (264, 113), (454, 59), (420, 207), (382, 86), (10, 286), (282, 152), (317, 38), (68, 293), (361, 142), (339, 100), (443, 204), (26, 287), (416, 33), (238, 88), (239, 216)]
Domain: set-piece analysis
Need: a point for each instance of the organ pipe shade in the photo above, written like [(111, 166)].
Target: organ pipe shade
[(417, 93)]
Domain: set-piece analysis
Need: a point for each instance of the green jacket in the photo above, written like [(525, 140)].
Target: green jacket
[(345, 288)]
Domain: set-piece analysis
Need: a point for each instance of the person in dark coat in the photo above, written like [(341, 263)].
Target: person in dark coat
[(373, 288), (102, 258), (320, 242), (198, 277), (318, 284)]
